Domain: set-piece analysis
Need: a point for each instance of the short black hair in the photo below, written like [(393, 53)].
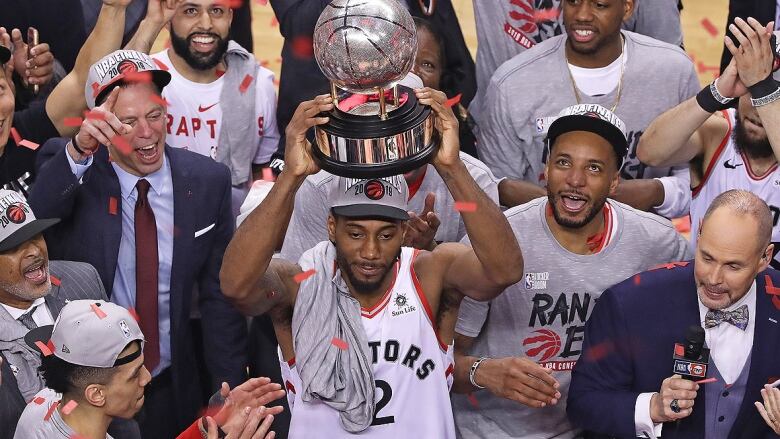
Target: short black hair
[(64, 377)]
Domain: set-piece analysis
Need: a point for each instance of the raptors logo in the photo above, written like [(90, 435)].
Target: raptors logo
[(375, 190), (127, 66), (547, 343), (524, 14), (16, 213)]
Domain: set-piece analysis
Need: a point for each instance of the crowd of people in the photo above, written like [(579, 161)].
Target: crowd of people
[(174, 263)]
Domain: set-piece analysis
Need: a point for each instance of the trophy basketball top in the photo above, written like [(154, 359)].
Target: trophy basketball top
[(365, 46)]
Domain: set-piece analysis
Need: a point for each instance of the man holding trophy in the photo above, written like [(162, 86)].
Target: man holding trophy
[(356, 315)]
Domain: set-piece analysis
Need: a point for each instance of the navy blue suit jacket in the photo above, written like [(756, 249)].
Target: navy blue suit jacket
[(628, 347), (91, 230)]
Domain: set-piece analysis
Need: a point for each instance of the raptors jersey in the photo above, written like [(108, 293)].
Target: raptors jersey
[(730, 169), (412, 371), (195, 114)]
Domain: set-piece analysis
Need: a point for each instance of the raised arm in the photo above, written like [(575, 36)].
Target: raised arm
[(158, 13), (67, 99), (494, 261), (250, 277)]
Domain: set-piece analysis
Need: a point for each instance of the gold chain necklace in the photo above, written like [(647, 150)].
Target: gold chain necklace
[(620, 81)]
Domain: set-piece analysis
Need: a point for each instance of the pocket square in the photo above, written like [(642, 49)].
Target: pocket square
[(204, 230)]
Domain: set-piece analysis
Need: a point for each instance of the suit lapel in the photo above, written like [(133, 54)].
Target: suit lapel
[(182, 235), (764, 355), (111, 198)]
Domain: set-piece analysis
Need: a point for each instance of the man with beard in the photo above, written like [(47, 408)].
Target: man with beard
[(730, 148), (33, 290), (625, 385), (595, 62), (355, 317), (221, 103), (522, 345)]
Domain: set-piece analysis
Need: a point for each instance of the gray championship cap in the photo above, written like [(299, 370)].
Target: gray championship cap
[(595, 119), (121, 66), (90, 333), (372, 197), (17, 221)]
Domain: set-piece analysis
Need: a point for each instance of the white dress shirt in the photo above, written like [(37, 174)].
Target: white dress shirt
[(41, 316), (729, 349)]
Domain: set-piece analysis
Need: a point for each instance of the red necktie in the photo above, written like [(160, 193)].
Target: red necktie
[(146, 266)]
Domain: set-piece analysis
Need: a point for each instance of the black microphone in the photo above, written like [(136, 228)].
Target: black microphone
[(692, 358)]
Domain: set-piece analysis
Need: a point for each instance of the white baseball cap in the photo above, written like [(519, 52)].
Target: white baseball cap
[(90, 333), (17, 220), (114, 69), (384, 197)]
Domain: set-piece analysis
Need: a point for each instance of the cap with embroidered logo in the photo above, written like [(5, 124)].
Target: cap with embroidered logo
[(17, 221), (384, 197), (118, 67)]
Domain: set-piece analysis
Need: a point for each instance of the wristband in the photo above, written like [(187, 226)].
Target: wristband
[(764, 92), (473, 371), (76, 146), (710, 99)]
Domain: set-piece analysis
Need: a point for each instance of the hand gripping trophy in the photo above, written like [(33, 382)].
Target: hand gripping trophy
[(377, 128)]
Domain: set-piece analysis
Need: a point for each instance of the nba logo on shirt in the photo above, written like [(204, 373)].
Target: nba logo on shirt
[(536, 281), (543, 123)]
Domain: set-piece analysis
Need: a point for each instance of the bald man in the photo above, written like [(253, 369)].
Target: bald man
[(627, 366)]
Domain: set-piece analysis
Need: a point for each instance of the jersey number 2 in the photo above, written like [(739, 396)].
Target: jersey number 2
[(387, 393)]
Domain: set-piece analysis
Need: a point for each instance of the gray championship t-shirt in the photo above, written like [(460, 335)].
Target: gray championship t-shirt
[(32, 424), (543, 316), (508, 27), (527, 93), (308, 224)]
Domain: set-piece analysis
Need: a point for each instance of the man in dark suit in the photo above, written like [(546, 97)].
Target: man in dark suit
[(155, 222), (623, 385), (33, 290)]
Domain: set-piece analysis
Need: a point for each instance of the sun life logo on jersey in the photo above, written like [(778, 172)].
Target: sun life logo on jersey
[(402, 305), (536, 281)]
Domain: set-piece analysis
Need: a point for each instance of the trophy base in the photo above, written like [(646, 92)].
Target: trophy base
[(358, 143)]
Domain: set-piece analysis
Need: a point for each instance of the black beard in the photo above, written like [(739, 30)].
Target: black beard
[(594, 210), (758, 149), (196, 60), (360, 286)]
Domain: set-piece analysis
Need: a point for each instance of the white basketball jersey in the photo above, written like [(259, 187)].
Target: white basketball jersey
[(412, 369), (730, 169)]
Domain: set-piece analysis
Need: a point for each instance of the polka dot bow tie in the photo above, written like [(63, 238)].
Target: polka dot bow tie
[(738, 317)]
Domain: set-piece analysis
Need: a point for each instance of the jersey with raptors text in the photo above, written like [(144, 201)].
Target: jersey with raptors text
[(543, 316), (195, 114), (730, 169), (412, 371)]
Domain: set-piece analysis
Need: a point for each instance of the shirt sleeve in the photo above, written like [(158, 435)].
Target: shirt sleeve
[(644, 425), (677, 194), (79, 169), (266, 120)]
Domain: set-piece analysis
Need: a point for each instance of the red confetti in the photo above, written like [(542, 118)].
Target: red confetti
[(67, 408), (268, 174), (112, 205), (245, 83), (51, 411), (72, 121), (99, 312), (302, 47), (465, 206), (289, 386), (772, 291), (122, 144), (95, 89), (161, 64), (599, 351), (274, 22), (94, 115), (140, 77), (637, 279), (15, 135), (451, 102), (54, 281), (339, 343), (262, 2), (29, 144), (219, 73), (300, 277), (546, 14), (134, 314), (264, 62), (709, 27), (39, 400), (160, 100), (232, 4), (671, 265), (472, 400), (707, 380), (44, 348)]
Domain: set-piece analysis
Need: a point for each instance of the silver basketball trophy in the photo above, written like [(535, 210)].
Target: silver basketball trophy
[(377, 127)]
